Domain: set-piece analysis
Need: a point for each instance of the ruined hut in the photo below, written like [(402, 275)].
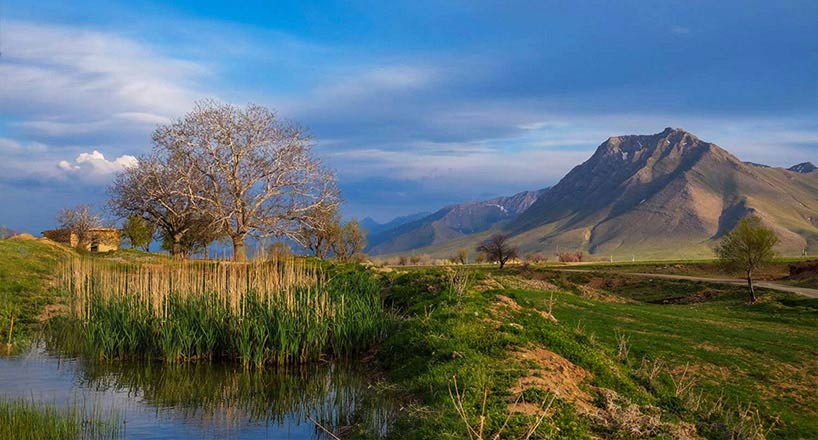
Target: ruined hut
[(97, 240)]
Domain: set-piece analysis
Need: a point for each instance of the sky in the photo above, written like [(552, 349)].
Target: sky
[(414, 104)]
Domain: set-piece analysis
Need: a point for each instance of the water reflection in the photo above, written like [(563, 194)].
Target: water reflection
[(156, 400)]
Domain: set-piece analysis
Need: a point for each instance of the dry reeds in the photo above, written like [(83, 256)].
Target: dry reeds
[(281, 312)]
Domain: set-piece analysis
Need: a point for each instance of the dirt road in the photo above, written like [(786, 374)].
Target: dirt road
[(811, 293)]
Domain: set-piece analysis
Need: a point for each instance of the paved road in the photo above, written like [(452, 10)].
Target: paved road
[(811, 293)]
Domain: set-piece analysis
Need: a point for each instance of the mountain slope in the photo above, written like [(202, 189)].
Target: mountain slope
[(373, 228), (450, 223), (667, 194)]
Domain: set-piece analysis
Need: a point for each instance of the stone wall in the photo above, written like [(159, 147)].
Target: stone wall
[(62, 236), (103, 240), (99, 240)]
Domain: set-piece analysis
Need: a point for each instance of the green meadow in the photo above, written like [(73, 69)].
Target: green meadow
[(462, 352)]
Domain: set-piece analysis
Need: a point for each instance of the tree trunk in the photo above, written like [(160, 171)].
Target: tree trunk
[(206, 253), (238, 248), (177, 247), (502, 262), (752, 299)]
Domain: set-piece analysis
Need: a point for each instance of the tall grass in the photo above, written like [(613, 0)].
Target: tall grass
[(24, 420), (278, 312)]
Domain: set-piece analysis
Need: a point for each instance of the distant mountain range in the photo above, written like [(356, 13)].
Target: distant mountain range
[(451, 222), (373, 228), (664, 195)]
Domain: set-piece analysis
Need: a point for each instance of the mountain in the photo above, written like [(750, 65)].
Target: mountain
[(667, 194), (805, 167), (451, 222), (373, 228)]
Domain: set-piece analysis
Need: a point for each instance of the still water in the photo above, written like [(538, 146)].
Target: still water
[(204, 401)]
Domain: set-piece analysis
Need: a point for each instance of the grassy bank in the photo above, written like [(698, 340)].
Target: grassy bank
[(23, 420), (758, 362), (621, 357), (28, 270), (474, 359), (282, 312)]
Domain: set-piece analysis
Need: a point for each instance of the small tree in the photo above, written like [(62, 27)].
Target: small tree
[(497, 248), (571, 257), (322, 231), (350, 243), (747, 247), (138, 231), (536, 258), (79, 220), (460, 257)]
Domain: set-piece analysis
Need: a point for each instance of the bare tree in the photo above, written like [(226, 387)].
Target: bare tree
[(497, 248), (350, 243), (747, 247), (79, 220), (321, 231), (155, 190), (460, 257), (250, 172)]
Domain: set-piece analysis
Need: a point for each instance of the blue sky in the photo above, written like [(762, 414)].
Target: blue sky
[(414, 104)]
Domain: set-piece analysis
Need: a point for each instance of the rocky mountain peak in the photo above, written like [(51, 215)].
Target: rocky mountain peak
[(804, 168)]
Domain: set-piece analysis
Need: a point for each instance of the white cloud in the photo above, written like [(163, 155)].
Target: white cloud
[(63, 80), (95, 164)]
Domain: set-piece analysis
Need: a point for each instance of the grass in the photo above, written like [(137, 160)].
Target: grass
[(761, 356), (681, 353), (280, 312), (445, 337), (23, 420), (677, 351), (704, 268), (27, 269)]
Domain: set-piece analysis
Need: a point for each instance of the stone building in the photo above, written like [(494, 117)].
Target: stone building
[(99, 239)]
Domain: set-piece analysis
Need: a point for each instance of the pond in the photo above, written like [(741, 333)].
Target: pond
[(204, 400)]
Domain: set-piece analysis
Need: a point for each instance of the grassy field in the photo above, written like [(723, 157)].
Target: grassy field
[(776, 271), (648, 358), (762, 356), (477, 352)]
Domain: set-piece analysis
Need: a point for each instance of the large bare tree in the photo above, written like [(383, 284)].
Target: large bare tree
[(155, 189), (250, 172)]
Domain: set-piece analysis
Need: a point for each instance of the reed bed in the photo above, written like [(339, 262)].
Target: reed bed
[(25, 420), (281, 312)]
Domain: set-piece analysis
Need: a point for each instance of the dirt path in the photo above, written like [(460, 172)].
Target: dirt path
[(811, 293)]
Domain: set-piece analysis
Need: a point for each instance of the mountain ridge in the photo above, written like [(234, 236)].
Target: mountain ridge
[(451, 222), (668, 194)]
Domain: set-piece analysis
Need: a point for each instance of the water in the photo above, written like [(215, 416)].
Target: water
[(203, 401)]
